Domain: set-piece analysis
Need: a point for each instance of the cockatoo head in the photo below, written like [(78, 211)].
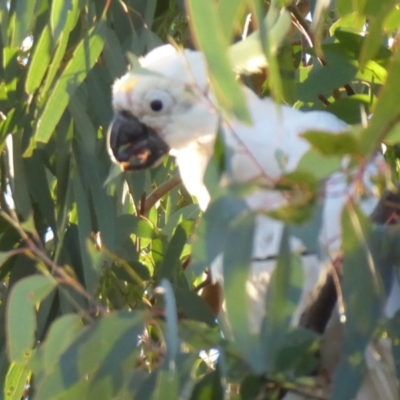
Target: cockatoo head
[(162, 108)]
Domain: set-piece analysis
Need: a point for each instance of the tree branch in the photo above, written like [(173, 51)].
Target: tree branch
[(33, 249), (158, 193)]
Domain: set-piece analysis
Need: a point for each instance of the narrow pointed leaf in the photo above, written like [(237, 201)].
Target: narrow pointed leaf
[(20, 332), (15, 383), (24, 14), (39, 61), (210, 38), (59, 16), (171, 334), (74, 73)]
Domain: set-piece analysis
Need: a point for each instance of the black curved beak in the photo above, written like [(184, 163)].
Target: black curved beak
[(133, 144)]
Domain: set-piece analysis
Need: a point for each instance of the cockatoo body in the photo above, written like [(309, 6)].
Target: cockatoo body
[(171, 108), (186, 126)]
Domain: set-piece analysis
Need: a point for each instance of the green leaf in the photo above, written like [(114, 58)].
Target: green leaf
[(348, 23), (85, 55), (24, 295), (24, 17), (142, 228), (149, 12), (210, 38), (209, 387), (139, 183), (326, 165), (248, 55), (198, 336), (59, 16), (78, 391), (110, 380), (171, 334), (287, 73), (330, 144), (193, 306), (170, 266), (5, 255), (354, 43), (39, 61), (236, 268), (340, 69), (91, 274), (251, 386), (91, 172), (98, 84), (167, 386), (298, 352), (362, 256), (4, 18), (190, 212), (386, 113), (16, 379), (86, 132), (377, 13), (394, 334), (216, 167), (68, 327), (212, 231), (303, 189), (283, 295), (38, 185), (392, 20), (113, 54), (344, 7), (228, 11), (360, 249), (18, 181), (278, 18), (350, 109), (89, 352), (394, 135), (53, 67), (64, 183)]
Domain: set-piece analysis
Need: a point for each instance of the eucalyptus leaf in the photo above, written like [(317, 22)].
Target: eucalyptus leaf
[(78, 67), (209, 35), (23, 298)]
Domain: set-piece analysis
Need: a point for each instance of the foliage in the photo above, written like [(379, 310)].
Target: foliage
[(100, 271)]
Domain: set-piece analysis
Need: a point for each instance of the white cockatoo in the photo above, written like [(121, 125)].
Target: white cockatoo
[(171, 109)]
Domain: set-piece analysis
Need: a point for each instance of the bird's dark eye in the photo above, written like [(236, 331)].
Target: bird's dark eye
[(156, 105)]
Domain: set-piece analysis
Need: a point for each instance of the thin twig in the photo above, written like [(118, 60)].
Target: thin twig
[(105, 10), (323, 99), (349, 90), (301, 23), (142, 204), (158, 193), (246, 26), (41, 255)]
